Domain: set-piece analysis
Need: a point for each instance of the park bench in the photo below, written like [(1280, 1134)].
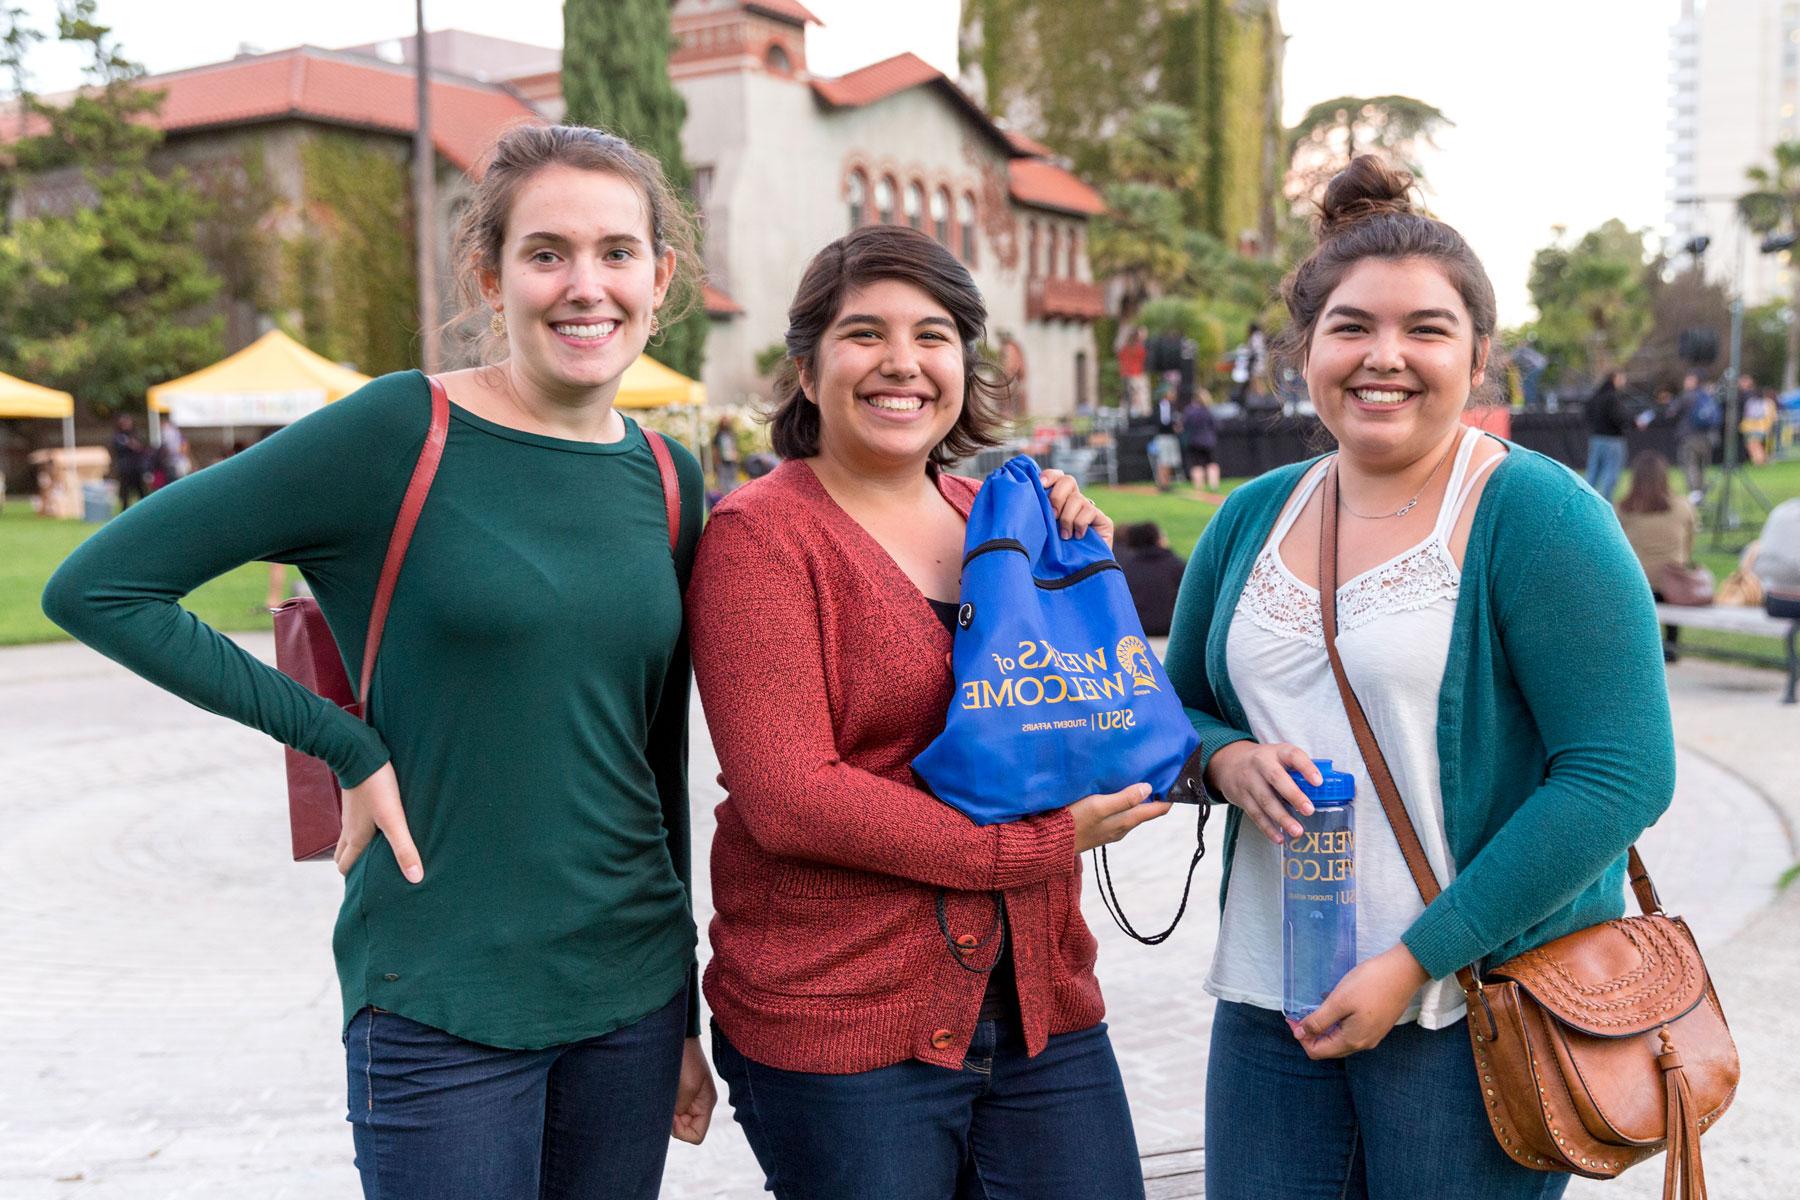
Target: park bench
[(1731, 618)]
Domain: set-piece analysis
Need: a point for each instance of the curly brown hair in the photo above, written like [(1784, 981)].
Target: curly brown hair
[(862, 257)]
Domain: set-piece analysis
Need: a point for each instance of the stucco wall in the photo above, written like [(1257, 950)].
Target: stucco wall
[(780, 160)]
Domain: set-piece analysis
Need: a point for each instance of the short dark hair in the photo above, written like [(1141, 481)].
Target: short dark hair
[(1141, 536), (868, 255)]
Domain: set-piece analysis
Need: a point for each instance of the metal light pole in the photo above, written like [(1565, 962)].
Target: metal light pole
[(425, 203)]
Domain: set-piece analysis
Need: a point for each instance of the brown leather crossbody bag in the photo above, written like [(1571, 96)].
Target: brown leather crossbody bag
[(1594, 1051)]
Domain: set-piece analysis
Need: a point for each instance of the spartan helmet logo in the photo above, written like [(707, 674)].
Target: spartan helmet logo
[(1134, 660)]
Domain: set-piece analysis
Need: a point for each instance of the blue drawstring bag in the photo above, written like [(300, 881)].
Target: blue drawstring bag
[(1057, 693)]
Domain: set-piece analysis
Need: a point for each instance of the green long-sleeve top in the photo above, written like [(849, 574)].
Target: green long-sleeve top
[(531, 689), (1554, 737)]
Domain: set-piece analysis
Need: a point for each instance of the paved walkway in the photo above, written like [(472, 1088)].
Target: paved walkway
[(168, 1013)]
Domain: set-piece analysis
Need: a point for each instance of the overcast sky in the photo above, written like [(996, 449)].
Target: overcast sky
[(1559, 105)]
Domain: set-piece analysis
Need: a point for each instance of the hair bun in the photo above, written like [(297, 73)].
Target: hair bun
[(1367, 188)]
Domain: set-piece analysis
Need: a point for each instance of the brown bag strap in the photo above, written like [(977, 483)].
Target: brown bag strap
[(671, 484), (1373, 760), (424, 471)]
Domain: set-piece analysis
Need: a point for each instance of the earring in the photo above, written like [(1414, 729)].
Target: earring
[(497, 324), (656, 326)]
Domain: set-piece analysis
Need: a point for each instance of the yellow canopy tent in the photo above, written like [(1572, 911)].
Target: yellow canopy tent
[(649, 384), (272, 381), (21, 399)]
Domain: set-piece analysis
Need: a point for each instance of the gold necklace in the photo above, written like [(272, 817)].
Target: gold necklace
[(1410, 504)]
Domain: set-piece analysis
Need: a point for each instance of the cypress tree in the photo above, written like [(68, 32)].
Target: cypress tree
[(615, 75)]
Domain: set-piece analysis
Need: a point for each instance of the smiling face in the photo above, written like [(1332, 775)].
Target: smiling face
[(887, 377), (1392, 360), (578, 282)]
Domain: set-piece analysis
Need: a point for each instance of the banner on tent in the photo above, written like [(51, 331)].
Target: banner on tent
[(191, 409)]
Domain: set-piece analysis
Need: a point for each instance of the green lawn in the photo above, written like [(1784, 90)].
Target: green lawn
[(31, 547)]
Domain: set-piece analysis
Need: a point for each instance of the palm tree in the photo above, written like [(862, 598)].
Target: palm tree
[(1335, 131), (1772, 205)]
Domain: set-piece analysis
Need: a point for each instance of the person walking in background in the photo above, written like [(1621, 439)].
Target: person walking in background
[(725, 454), (1697, 419), (1757, 422), (169, 460), (1152, 572), (1660, 527), (516, 950), (1607, 420), (1525, 720), (904, 1002), (1165, 444), (1134, 354), (128, 466), (1200, 441)]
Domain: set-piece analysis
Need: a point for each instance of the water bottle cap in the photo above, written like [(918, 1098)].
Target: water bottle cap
[(1334, 789)]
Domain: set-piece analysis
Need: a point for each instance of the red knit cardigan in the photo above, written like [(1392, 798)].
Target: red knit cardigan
[(823, 672)]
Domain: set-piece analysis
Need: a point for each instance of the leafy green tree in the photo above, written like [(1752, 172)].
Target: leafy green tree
[(1140, 239), (103, 300), (1593, 300), (615, 75), (1335, 131), (1772, 205), (1075, 75)]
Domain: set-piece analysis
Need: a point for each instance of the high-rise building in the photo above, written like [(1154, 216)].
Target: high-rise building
[(1734, 86)]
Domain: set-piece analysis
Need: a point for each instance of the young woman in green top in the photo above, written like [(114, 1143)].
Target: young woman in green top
[(1524, 717), (516, 942)]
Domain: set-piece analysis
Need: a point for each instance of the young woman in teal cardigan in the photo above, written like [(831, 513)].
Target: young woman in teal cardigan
[(1496, 627)]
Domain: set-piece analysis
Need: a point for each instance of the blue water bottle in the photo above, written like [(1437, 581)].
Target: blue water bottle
[(1318, 893)]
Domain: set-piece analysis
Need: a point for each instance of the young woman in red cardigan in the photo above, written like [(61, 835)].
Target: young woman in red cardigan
[(904, 1002)]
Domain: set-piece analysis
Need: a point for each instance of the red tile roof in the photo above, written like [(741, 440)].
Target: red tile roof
[(310, 84), (718, 304), (784, 10), (1045, 185), (1028, 147), (877, 81)]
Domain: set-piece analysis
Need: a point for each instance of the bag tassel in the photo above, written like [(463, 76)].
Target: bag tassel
[(1682, 1131)]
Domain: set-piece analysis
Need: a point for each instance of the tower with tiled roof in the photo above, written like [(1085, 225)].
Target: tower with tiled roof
[(765, 36)]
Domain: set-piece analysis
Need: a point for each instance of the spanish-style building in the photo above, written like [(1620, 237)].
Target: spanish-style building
[(783, 162)]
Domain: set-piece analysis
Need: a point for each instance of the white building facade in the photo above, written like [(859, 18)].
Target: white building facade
[(784, 163), (1734, 86)]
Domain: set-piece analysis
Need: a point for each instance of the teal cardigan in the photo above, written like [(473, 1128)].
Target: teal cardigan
[(1554, 739)]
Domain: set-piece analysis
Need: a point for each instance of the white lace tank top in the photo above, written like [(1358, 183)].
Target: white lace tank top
[(1394, 635)]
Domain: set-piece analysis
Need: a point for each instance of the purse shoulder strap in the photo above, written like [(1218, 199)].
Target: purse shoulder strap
[(424, 471), (671, 484), (1411, 849)]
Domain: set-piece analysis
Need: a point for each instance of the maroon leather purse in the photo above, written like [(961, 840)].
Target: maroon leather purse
[(1597, 1050), (306, 652)]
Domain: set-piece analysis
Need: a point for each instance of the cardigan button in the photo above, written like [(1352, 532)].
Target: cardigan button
[(966, 944), (941, 1039)]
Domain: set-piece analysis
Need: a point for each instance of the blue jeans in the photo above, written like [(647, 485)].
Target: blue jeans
[(1402, 1120), (1004, 1127), (439, 1118), (1605, 463)]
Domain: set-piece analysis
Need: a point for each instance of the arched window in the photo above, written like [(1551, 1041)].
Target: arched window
[(1053, 260), (1031, 251), (965, 223), (940, 215), (778, 61), (1074, 252), (884, 200), (857, 196), (915, 204)]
